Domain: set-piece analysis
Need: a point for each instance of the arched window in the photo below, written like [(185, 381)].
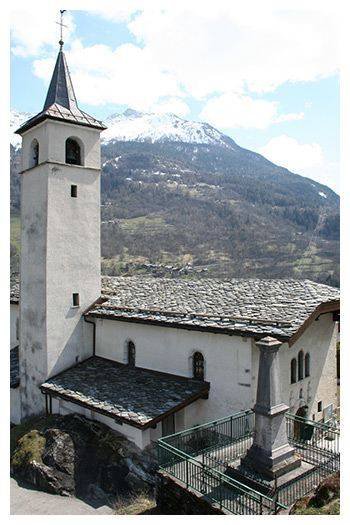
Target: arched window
[(198, 366), (307, 365), (34, 154), (293, 371), (131, 353), (300, 365), (73, 152)]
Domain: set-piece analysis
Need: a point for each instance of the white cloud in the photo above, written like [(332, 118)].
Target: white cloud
[(304, 159), (125, 75), (33, 32), (228, 46), (198, 49), (171, 105), (233, 110)]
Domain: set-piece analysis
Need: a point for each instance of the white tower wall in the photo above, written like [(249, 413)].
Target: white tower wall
[(60, 255)]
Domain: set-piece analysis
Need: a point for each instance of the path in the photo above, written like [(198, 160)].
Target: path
[(25, 500)]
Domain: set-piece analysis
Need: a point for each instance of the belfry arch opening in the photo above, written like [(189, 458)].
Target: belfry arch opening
[(74, 152), (34, 154)]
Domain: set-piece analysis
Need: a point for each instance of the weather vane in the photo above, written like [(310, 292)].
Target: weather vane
[(61, 24)]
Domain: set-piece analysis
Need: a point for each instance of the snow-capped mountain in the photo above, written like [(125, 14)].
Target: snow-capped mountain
[(16, 119), (158, 127)]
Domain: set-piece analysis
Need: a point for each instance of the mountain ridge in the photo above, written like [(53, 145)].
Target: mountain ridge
[(208, 208)]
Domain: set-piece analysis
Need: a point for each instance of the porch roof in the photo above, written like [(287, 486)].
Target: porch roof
[(136, 396)]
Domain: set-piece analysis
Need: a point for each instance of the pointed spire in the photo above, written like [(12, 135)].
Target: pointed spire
[(61, 89), (61, 102)]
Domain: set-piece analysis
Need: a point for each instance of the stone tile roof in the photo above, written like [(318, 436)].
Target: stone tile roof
[(14, 367), (14, 288), (277, 307), (135, 396)]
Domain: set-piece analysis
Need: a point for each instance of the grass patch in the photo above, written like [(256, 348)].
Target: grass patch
[(136, 504), (331, 508)]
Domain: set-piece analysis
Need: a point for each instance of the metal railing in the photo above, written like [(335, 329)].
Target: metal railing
[(201, 457), (218, 488), (230, 435)]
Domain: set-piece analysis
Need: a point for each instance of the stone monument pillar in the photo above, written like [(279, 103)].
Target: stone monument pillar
[(270, 454)]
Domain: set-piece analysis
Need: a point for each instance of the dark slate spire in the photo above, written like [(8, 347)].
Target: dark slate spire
[(61, 89), (61, 103)]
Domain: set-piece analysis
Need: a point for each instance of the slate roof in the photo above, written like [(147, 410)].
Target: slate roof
[(14, 367), (245, 306), (14, 289), (135, 396), (61, 102), (252, 307)]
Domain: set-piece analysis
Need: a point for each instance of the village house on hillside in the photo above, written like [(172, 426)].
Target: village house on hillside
[(147, 356)]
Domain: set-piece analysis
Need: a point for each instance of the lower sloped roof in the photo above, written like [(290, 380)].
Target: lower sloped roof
[(136, 396)]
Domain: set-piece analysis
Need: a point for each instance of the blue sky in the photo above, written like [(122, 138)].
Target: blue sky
[(266, 77)]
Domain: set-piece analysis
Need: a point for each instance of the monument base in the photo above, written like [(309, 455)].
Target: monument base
[(274, 465), (250, 478)]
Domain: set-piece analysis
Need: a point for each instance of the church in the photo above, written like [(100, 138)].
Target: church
[(146, 356)]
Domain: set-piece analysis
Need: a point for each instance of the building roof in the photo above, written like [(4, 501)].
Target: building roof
[(135, 396), (258, 307), (251, 307), (14, 367), (14, 288), (61, 102)]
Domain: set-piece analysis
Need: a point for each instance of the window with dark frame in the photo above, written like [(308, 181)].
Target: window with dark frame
[(75, 299), (307, 365), (74, 190), (293, 371), (36, 153), (300, 365), (198, 366), (131, 354), (73, 153)]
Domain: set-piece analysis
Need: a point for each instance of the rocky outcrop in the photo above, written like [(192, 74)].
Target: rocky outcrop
[(71, 455)]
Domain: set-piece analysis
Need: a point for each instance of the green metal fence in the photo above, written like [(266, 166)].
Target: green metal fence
[(200, 458), (218, 488)]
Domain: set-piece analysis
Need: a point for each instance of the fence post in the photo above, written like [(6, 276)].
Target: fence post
[(187, 473), (275, 494)]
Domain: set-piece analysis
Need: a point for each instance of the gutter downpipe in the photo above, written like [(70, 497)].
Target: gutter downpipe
[(93, 335)]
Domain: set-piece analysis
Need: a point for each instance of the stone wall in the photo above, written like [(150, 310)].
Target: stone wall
[(174, 498)]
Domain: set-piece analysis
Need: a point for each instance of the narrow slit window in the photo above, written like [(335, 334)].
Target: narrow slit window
[(131, 354), (198, 366), (307, 365), (74, 190), (319, 406), (300, 365), (76, 299), (293, 371)]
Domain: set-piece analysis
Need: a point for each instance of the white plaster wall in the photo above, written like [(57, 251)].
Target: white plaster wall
[(14, 321), (60, 255), (73, 262), (319, 340), (15, 406), (141, 438), (32, 354), (227, 362)]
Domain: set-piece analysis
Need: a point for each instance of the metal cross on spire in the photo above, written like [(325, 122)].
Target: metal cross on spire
[(61, 24)]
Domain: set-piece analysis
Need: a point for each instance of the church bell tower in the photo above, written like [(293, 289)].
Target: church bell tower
[(60, 236)]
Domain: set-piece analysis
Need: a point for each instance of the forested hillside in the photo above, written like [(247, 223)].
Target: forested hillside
[(210, 208)]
